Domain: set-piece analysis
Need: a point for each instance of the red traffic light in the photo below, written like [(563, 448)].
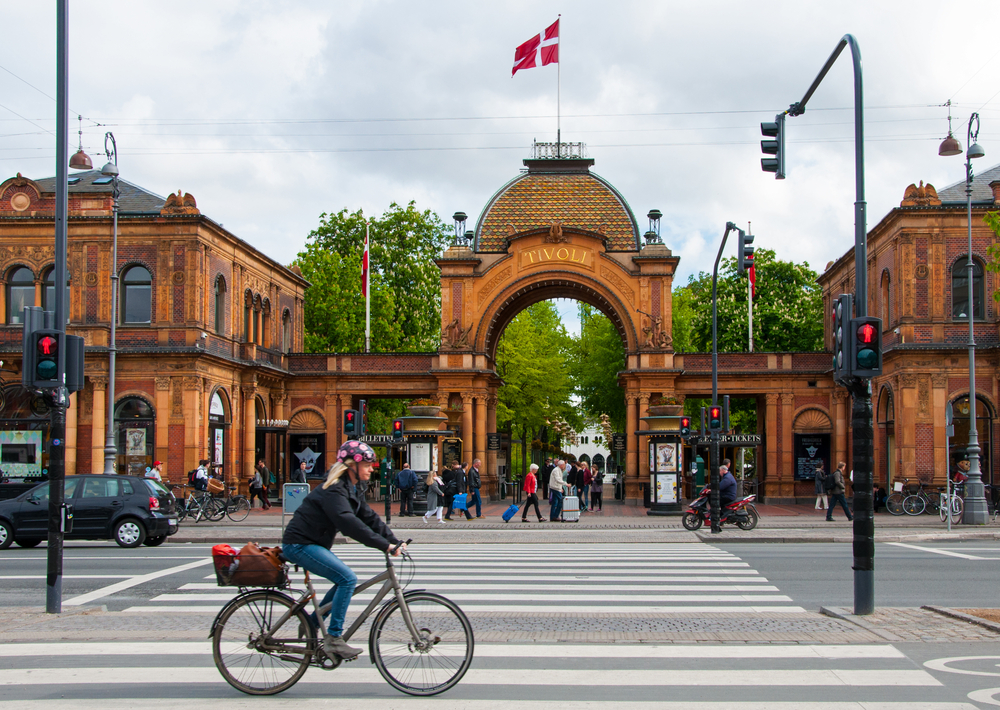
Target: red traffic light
[(715, 412), (397, 425), (866, 333), (47, 345), (350, 417), (685, 422)]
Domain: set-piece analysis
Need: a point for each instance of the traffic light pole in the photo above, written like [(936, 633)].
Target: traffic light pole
[(864, 543)]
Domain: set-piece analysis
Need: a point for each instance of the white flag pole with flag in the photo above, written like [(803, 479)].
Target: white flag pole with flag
[(366, 291), (542, 50)]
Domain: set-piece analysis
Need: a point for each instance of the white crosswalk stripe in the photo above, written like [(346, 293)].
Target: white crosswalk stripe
[(545, 578)]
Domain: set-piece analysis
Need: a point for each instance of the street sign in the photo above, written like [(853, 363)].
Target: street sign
[(492, 442), (731, 440), (618, 442)]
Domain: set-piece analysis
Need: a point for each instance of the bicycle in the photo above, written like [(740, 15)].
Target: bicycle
[(951, 502), (421, 643), (237, 507), (192, 503), (920, 501)]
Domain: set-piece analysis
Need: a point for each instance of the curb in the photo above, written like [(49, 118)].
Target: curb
[(838, 613), (962, 616)]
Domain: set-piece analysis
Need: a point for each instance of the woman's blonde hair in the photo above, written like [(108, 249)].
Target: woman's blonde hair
[(335, 473), (430, 478)]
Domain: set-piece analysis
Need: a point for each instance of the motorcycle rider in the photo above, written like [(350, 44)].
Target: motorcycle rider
[(727, 487)]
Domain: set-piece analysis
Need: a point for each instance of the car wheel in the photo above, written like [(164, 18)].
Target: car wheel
[(31, 542), (155, 541), (129, 533), (6, 535)]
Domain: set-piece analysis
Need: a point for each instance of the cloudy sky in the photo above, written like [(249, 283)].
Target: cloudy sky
[(272, 113)]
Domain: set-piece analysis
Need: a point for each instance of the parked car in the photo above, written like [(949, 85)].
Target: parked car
[(131, 511)]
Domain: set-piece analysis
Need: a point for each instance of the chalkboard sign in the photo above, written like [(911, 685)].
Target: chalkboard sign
[(618, 442), (492, 442)]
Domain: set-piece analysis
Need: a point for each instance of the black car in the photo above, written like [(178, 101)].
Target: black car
[(129, 510)]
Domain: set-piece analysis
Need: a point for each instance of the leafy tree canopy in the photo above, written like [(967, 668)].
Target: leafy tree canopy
[(787, 313), (597, 357), (405, 281)]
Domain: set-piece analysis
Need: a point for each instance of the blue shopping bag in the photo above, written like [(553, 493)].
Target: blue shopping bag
[(461, 502)]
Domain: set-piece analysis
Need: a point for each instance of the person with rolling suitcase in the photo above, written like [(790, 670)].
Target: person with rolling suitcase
[(556, 487)]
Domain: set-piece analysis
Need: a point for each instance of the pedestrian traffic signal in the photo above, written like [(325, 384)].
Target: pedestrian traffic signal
[(744, 252), (397, 429), (351, 423), (685, 426), (843, 309), (363, 417), (48, 348), (776, 147), (867, 346), (715, 418), (725, 413)]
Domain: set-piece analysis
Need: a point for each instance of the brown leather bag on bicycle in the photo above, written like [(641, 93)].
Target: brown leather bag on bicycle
[(258, 567)]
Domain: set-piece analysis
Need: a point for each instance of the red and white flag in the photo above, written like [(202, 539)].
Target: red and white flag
[(364, 267), (540, 50), (752, 275)]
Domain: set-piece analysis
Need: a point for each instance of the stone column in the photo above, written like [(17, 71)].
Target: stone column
[(841, 415), (939, 400), (786, 473), (643, 442), (174, 469), (480, 428), (333, 417), (906, 426), (245, 468), (468, 434), (772, 446), (99, 421), (632, 449), (490, 462), (72, 415)]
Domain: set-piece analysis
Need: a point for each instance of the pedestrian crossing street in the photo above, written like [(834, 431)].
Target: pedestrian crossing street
[(541, 578)]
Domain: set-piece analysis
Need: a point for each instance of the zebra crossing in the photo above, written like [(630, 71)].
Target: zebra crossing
[(540, 579)]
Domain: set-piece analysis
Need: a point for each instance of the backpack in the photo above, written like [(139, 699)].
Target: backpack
[(191, 476), (829, 483)]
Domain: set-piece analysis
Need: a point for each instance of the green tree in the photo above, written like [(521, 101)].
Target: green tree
[(992, 220), (787, 313), (405, 281), (598, 355)]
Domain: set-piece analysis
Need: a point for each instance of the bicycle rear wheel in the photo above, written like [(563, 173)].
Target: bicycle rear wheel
[(933, 502), (894, 504), (239, 652), (215, 509), (913, 505), (238, 509), (943, 507), (957, 509), (435, 662)]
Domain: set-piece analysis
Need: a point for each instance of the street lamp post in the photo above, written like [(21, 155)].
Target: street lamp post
[(110, 169), (976, 512)]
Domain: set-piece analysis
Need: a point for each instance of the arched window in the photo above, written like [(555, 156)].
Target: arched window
[(886, 305), (256, 320), (49, 292), (960, 289), (220, 305), (265, 323), (20, 293), (247, 314), (286, 331), (137, 296), (135, 426)]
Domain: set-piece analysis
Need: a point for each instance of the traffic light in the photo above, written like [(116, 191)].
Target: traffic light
[(685, 426), (47, 354), (715, 418), (725, 413), (867, 349), (363, 425), (776, 147), (74, 363), (843, 309), (744, 252), (351, 423), (397, 429)]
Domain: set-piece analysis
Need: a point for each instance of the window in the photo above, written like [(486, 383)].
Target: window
[(49, 292), (960, 289), (220, 305), (247, 313), (256, 320), (265, 323), (137, 296), (286, 331), (20, 293), (100, 488), (886, 305)]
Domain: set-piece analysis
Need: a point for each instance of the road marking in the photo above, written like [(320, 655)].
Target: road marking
[(554, 608), (132, 582), (937, 551), (941, 664), (562, 650), (564, 590), (322, 702), (470, 600), (358, 674), (67, 576)]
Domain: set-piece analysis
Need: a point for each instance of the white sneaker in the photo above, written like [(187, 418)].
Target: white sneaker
[(442, 521)]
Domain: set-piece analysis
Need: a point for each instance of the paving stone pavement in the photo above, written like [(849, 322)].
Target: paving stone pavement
[(901, 624)]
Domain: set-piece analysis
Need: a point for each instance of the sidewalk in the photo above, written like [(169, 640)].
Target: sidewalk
[(617, 523)]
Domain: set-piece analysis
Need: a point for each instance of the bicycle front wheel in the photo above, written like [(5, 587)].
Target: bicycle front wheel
[(238, 509), (245, 660), (913, 505), (957, 509), (435, 661), (894, 504), (943, 506), (215, 509)]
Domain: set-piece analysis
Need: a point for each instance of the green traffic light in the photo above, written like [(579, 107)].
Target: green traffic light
[(46, 369), (867, 359)]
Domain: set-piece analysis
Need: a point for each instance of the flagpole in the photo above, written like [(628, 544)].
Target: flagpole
[(750, 306), (559, 94), (368, 295)]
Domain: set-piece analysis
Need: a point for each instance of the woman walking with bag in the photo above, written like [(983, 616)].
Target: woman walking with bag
[(531, 488), (597, 491), (820, 477), (435, 497)]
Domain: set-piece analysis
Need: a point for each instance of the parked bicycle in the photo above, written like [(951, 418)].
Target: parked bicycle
[(263, 641), (951, 502), (236, 507), (192, 503), (912, 500)]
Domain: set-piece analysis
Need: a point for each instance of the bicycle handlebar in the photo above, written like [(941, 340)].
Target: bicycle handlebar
[(392, 549)]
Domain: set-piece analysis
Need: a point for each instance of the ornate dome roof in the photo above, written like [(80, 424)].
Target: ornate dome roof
[(563, 191)]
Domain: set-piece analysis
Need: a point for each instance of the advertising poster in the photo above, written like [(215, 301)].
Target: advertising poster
[(135, 442), (810, 451), (308, 448), (666, 458), (218, 446), (666, 489), (420, 457)]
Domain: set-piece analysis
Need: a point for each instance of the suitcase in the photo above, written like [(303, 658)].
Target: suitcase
[(571, 509), (460, 502), (510, 513)]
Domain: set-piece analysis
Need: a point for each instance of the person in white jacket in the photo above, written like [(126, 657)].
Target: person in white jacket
[(557, 486)]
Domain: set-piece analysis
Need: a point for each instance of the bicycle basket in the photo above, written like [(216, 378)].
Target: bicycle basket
[(247, 569), (215, 486), (913, 489)]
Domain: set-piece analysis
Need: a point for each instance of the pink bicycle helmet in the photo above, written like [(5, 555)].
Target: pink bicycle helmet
[(356, 451)]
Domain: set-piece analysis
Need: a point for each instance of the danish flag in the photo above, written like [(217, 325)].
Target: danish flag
[(364, 267), (542, 49)]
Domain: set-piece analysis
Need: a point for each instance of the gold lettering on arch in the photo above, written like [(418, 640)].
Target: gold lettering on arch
[(541, 255)]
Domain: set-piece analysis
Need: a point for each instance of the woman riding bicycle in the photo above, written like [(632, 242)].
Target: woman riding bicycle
[(337, 506)]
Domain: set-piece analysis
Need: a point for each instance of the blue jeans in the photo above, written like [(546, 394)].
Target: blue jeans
[(474, 495), (584, 492), (556, 509), (838, 498), (319, 560)]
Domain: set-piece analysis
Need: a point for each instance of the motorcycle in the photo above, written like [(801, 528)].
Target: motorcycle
[(741, 513)]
